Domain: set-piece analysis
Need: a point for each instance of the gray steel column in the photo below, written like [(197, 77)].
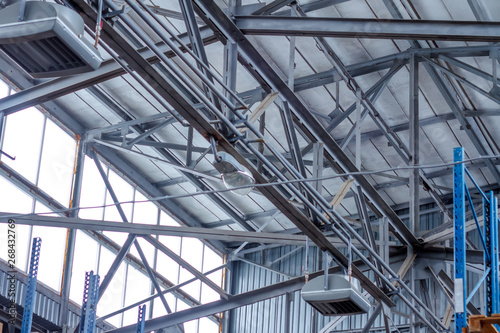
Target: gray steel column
[(414, 174), (70, 242), (414, 147)]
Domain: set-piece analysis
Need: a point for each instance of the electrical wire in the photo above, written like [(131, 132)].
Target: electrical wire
[(277, 183)]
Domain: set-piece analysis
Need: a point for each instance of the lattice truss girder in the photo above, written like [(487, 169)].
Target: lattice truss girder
[(206, 112)]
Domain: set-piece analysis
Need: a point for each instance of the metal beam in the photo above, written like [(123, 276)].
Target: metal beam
[(369, 28), (334, 152), (150, 229), (55, 88), (131, 173), (236, 301), (200, 123)]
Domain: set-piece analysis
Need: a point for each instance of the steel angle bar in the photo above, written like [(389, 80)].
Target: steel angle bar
[(166, 291), (465, 81), (312, 6), (373, 92), (157, 159), (468, 68), (136, 243), (153, 241), (50, 90), (143, 136), (212, 10), (201, 124), (123, 124), (235, 301), (272, 7), (135, 229), (170, 13), (369, 28), (446, 91), (334, 152), (71, 234)]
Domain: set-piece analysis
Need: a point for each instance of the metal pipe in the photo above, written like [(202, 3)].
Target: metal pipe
[(291, 187), (172, 67), (179, 53), (167, 61), (132, 73)]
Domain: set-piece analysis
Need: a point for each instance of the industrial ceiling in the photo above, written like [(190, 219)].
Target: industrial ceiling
[(346, 113)]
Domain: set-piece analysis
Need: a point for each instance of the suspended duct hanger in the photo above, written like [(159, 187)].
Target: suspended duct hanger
[(335, 294)]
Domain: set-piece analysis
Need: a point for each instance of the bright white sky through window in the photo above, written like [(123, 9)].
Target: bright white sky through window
[(45, 156)]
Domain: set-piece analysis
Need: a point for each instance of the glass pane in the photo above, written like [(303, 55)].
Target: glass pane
[(211, 259), (13, 200), (145, 211), (112, 299), (51, 255), (191, 326), (167, 267), (92, 194), (85, 260), (4, 89), (138, 286), (159, 308), (22, 139), (57, 164), (208, 326), (165, 219), (208, 294), (193, 289), (172, 242), (192, 251)]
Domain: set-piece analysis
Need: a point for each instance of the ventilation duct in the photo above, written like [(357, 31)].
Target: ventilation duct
[(48, 42), (340, 298)]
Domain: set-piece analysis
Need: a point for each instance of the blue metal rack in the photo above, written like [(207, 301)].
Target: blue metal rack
[(31, 289), (89, 304), (141, 319), (489, 241), (460, 249)]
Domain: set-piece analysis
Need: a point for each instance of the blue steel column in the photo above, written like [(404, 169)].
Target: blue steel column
[(141, 319), (459, 223), (487, 261), (89, 304), (495, 296), (31, 289)]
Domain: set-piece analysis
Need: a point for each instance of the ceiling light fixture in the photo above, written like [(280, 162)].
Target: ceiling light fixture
[(235, 176)]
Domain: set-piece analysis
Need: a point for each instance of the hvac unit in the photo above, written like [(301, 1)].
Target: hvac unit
[(340, 297), (47, 40)]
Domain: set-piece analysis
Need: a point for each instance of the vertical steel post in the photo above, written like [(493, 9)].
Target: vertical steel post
[(459, 226), (495, 300), (29, 298), (414, 173), (89, 304), (488, 260), (70, 242), (141, 319)]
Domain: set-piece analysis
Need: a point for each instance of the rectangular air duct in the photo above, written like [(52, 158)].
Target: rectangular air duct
[(341, 298), (48, 42)]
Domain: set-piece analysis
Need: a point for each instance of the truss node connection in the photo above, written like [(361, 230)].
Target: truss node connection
[(338, 115)]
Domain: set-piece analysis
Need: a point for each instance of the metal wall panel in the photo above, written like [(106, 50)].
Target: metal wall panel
[(268, 316)]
